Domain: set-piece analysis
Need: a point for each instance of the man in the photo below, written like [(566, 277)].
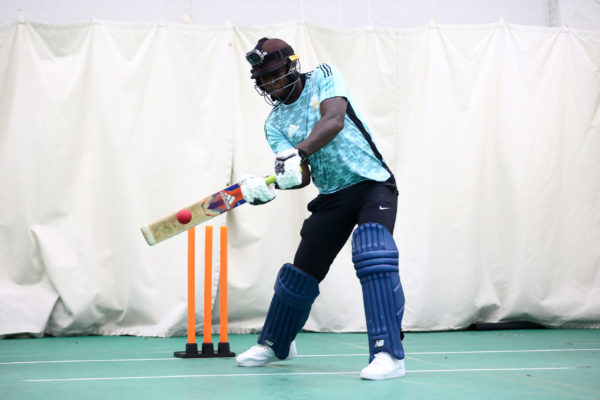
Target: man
[(315, 132)]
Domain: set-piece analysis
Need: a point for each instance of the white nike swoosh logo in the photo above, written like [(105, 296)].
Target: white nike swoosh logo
[(383, 208)]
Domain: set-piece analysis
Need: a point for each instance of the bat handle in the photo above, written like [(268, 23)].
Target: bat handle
[(270, 179)]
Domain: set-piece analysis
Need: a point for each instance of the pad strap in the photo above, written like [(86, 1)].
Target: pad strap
[(375, 258), (295, 292)]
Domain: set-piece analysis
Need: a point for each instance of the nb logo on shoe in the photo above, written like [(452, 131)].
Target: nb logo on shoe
[(379, 343)]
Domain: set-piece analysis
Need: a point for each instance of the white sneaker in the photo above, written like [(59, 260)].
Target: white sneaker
[(383, 366), (261, 354)]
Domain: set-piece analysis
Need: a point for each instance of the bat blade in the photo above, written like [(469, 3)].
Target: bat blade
[(203, 210)]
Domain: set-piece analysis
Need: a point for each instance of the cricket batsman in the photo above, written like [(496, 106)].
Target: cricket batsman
[(315, 132)]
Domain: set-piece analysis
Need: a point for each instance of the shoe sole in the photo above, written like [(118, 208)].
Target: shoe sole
[(250, 363), (391, 375)]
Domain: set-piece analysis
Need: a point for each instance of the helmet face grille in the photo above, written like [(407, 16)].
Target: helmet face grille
[(281, 95)]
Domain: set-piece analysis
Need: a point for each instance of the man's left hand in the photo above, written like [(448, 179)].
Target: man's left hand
[(256, 191), (287, 169)]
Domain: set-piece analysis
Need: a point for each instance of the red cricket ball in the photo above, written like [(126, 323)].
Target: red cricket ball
[(184, 216)]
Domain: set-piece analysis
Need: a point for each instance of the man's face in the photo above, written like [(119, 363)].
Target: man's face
[(274, 83)]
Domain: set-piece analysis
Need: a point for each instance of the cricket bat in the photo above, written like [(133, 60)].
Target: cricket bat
[(203, 210)]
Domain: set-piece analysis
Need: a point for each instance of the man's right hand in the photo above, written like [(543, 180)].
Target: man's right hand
[(256, 191)]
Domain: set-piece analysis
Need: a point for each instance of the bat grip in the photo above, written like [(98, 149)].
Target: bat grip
[(270, 179)]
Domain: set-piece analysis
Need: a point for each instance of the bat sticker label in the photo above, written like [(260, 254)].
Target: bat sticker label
[(227, 199)]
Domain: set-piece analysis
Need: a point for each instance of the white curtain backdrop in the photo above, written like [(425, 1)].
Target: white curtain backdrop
[(492, 131)]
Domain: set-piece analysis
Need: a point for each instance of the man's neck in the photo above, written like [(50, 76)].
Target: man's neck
[(297, 91)]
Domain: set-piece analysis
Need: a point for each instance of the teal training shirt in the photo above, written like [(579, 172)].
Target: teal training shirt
[(349, 157)]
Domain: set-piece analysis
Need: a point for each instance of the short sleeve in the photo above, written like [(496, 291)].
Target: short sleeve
[(330, 82), (275, 138)]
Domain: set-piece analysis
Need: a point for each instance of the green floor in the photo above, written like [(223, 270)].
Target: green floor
[(518, 364)]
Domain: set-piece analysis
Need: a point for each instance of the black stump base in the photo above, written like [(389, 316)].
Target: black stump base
[(208, 351)]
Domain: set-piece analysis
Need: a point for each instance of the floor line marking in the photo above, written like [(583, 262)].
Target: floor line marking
[(115, 378), (88, 361), (498, 351), (451, 352), (303, 355)]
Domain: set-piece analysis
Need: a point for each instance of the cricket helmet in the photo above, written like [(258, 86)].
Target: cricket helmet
[(268, 56)]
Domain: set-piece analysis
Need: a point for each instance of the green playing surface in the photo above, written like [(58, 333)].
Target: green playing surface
[(511, 364)]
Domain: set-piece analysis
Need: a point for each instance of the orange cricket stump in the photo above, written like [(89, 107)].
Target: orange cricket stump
[(223, 348), (207, 345), (191, 348)]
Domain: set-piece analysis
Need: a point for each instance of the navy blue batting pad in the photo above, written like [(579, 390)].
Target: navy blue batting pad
[(375, 258), (295, 291)]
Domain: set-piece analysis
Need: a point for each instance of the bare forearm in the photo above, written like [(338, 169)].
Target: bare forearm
[(323, 132), (333, 113)]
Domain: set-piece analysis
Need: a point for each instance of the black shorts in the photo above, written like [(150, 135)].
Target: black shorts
[(333, 218)]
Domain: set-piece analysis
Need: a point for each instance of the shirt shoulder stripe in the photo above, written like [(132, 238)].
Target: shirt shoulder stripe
[(326, 69)]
